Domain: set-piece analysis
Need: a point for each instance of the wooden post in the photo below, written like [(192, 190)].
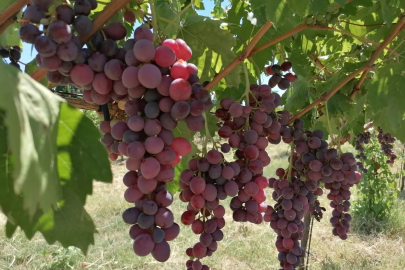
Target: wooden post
[(305, 238)]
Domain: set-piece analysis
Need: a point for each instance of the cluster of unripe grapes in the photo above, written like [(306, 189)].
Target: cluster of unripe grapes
[(13, 54), (207, 180), (283, 81)]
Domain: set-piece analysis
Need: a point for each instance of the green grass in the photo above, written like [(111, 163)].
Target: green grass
[(245, 246)]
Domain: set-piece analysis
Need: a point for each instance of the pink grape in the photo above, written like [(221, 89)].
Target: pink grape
[(144, 50), (130, 77), (149, 76), (82, 74), (180, 90), (181, 146), (164, 56)]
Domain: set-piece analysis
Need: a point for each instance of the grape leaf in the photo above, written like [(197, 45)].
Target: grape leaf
[(168, 20), (11, 36), (31, 117), (211, 45), (81, 157), (389, 12), (68, 222), (385, 98), (297, 96)]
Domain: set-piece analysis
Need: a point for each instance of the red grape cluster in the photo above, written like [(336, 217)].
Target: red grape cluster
[(59, 49), (339, 174), (283, 81), (152, 152), (249, 129), (286, 218), (13, 54), (386, 141), (206, 181)]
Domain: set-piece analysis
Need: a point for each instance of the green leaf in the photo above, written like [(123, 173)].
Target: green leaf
[(81, 157), (389, 12), (211, 46), (11, 36), (318, 7), (31, 67), (386, 99), (68, 222), (168, 21), (298, 95), (31, 119)]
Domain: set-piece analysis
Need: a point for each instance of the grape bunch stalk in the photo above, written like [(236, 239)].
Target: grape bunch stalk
[(207, 180)]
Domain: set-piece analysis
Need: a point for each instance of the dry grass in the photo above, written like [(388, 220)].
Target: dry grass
[(245, 246)]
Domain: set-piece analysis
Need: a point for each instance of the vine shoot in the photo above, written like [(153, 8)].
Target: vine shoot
[(193, 96)]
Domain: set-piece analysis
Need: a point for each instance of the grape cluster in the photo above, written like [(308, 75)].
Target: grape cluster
[(339, 174), (386, 141), (13, 54), (292, 201), (277, 78), (206, 181), (361, 140), (58, 45), (152, 154), (249, 129)]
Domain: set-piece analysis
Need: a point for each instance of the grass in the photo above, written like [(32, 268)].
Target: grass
[(245, 246)]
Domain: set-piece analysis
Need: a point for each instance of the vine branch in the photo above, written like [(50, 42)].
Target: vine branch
[(275, 40), (240, 58), (12, 10), (109, 10), (320, 65), (327, 96), (374, 56), (365, 69)]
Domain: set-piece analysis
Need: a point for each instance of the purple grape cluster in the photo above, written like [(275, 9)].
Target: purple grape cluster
[(386, 141), (152, 152), (206, 181), (339, 175), (13, 54), (292, 201), (249, 129)]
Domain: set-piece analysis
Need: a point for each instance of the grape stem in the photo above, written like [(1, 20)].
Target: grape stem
[(290, 167), (207, 134), (154, 21)]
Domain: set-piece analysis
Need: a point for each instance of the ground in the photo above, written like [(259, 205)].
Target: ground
[(245, 246)]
